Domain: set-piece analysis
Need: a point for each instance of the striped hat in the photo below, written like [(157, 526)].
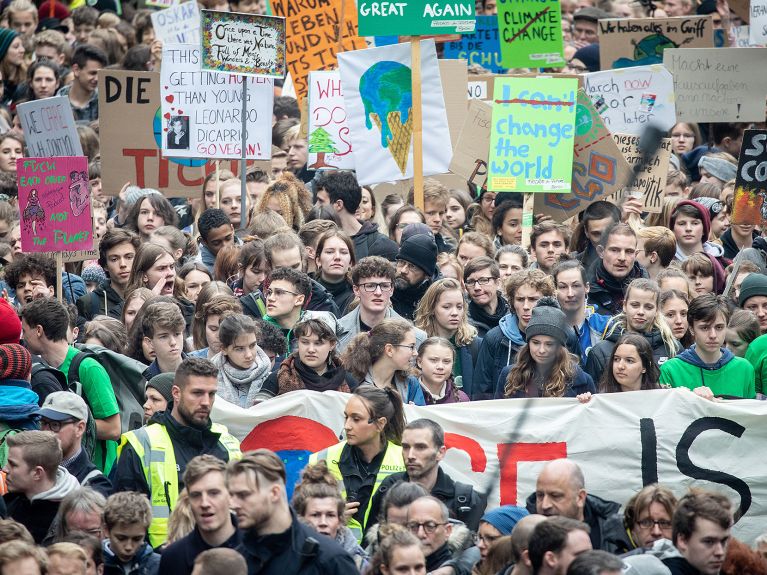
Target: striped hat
[(15, 362)]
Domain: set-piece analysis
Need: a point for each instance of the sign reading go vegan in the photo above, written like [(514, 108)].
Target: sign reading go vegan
[(415, 17)]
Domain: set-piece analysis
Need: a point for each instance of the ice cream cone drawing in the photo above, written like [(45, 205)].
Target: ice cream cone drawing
[(387, 96)]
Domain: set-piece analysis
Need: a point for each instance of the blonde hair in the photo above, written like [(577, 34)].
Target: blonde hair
[(286, 191), (68, 551), (38, 449), (16, 550), (127, 507), (181, 521), (425, 318), (663, 218)]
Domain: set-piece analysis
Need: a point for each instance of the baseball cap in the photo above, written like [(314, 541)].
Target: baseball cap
[(63, 405)]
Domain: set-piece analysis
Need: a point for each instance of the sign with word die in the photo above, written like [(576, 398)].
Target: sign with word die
[(55, 204)]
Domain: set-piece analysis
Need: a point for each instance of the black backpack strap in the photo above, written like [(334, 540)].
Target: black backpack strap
[(463, 495), (95, 305), (309, 550)]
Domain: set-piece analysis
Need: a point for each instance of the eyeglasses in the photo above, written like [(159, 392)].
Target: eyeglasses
[(684, 136), (372, 287), (410, 346), (650, 523), (55, 426), (480, 281), (486, 539), (279, 292), (429, 527)]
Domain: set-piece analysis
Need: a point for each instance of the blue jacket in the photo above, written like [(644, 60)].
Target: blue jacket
[(144, 562), (499, 349), (581, 384), (468, 355), (590, 332), (414, 391)]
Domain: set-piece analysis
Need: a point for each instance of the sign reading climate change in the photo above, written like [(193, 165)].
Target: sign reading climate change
[(415, 17), (531, 33), (532, 136)]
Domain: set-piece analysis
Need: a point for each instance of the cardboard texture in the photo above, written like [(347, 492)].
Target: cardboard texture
[(750, 204), (454, 76), (481, 85), (718, 84), (651, 181), (624, 43), (473, 147), (531, 34)]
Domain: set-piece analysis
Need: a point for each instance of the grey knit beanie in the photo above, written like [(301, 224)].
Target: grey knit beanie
[(163, 383), (548, 319), (721, 169)]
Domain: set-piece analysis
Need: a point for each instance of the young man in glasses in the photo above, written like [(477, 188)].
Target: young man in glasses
[(482, 278), (373, 283), (66, 414)]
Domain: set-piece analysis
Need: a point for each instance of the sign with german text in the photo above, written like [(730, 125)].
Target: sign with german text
[(481, 48)]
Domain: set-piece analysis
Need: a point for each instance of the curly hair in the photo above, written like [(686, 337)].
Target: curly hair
[(536, 279), (286, 191)]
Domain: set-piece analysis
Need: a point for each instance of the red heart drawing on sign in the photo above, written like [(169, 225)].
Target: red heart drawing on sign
[(169, 98), (166, 115), (165, 129), (180, 111)]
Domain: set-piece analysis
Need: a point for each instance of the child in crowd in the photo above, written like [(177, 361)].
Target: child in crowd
[(127, 517)]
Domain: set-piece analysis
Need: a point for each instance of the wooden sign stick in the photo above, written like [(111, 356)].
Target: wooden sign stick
[(59, 273), (528, 208), (415, 66)]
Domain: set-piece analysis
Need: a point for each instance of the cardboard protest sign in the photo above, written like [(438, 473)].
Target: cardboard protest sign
[(531, 140), (473, 146), (599, 168), (160, 3), (415, 18), (750, 204), (741, 8), (55, 204), (718, 84), (632, 98), (531, 33), (312, 36), (758, 23), (482, 47), (49, 127), (381, 121), (178, 24), (480, 86), (131, 130), (243, 43), (202, 111), (454, 75), (628, 42), (329, 142), (651, 181)]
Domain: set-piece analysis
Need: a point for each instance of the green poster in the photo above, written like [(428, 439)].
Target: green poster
[(530, 33), (415, 17), (532, 134)]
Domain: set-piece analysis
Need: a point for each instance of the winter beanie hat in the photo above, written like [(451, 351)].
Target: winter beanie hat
[(94, 274), (548, 319), (10, 324), (415, 229), (163, 384), (6, 37), (504, 518), (714, 206), (15, 362), (753, 285), (721, 169), (702, 210), (421, 251)]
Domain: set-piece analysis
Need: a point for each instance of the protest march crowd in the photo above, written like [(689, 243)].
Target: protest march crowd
[(111, 360)]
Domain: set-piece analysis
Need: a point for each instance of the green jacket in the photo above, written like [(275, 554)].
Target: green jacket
[(730, 375), (757, 355)]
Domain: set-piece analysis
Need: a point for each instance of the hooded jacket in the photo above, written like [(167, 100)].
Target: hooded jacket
[(484, 321), (606, 292), (18, 405), (320, 299), (37, 513), (144, 562), (599, 355), (349, 327), (499, 348), (368, 241), (104, 300), (596, 513), (730, 376), (731, 249)]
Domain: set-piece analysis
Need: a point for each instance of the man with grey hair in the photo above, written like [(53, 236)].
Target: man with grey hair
[(429, 520), (81, 510), (561, 490)]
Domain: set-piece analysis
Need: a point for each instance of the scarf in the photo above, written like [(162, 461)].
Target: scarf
[(614, 285), (294, 374), (242, 386)]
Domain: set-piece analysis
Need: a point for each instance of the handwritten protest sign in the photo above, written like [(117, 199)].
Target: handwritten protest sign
[(750, 204), (202, 111), (415, 18), (632, 98), (132, 131), (531, 141), (473, 146), (453, 76), (482, 47), (531, 33), (49, 127), (329, 140), (758, 23), (55, 204), (651, 181), (160, 3), (312, 36), (381, 121), (599, 168), (718, 84), (243, 43), (178, 24), (627, 42)]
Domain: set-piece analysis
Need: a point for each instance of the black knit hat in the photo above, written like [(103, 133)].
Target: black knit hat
[(420, 250), (548, 319)]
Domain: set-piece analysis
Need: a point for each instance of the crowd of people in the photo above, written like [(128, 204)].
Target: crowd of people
[(109, 368)]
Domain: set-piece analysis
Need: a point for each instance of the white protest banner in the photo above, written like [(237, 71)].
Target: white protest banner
[(621, 441), (178, 24), (49, 127), (381, 121), (758, 23), (243, 43), (631, 98), (329, 142), (718, 84), (202, 111)]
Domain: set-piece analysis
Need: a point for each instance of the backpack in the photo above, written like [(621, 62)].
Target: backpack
[(5, 431), (126, 375)]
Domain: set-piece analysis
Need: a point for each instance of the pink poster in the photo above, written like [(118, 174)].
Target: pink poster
[(55, 204)]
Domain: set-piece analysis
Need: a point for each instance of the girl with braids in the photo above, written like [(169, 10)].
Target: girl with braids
[(318, 501), (373, 423), (544, 367), (442, 312), (399, 552), (641, 314), (436, 358), (382, 357)]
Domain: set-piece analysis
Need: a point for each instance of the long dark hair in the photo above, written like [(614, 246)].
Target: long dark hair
[(384, 403), (563, 372), (609, 384)]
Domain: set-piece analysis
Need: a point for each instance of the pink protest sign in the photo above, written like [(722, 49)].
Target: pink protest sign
[(55, 204)]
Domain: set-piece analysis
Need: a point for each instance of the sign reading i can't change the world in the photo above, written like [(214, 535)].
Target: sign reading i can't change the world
[(415, 17)]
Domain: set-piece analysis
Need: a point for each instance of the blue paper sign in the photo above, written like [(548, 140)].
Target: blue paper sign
[(482, 47)]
